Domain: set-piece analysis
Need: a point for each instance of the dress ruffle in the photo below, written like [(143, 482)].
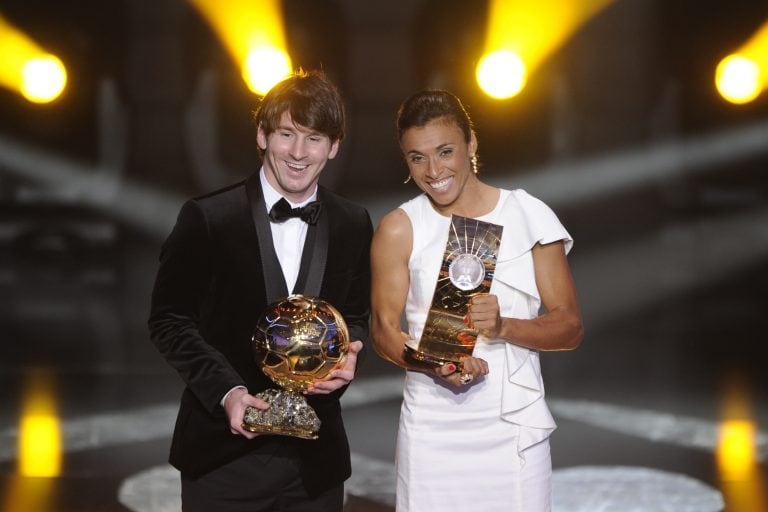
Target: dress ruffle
[(528, 221)]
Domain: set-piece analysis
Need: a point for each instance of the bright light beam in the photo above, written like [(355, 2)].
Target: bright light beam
[(521, 34), (39, 432), (737, 459), (43, 79), (27, 68), (743, 75), (501, 74), (252, 31), (736, 453)]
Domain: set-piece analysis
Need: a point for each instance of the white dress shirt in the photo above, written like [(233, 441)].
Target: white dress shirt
[(288, 237)]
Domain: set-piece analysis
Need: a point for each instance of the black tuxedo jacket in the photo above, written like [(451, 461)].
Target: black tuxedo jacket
[(217, 274)]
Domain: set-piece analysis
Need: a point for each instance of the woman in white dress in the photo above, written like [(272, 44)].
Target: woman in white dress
[(472, 436)]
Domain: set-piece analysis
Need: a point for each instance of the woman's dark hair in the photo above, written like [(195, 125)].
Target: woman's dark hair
[(311, 99), (425, 106)]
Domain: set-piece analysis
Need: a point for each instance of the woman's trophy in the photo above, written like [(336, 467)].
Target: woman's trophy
[(469, 262), (298, 340)]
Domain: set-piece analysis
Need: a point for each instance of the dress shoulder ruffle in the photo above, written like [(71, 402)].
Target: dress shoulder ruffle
[(527, 221)]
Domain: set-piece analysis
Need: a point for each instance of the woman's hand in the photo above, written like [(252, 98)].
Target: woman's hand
[(470, 369), (484, 315)]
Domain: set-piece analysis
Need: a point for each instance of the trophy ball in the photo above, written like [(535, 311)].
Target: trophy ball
[(299, 339)]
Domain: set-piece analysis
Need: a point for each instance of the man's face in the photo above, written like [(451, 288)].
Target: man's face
[(294, 156)]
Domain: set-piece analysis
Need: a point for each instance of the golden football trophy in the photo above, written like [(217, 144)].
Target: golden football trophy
[(298, 340), (469, 262)]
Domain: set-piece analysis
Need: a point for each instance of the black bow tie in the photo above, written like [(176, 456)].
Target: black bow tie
[(282, 211)]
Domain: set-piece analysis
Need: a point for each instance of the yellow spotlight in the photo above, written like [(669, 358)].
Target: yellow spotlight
[(39, 432), (742, 76), (252, 31), (736, 449), (529, 30), (264, 67), (738, 463), (738, 79), (501, 74), (25, 67), (43, 79)]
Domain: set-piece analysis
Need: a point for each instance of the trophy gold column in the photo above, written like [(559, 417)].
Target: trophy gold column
[(467, 269)]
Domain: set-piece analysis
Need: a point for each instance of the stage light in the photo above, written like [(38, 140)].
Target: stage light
[(39, 432), (501, 74), (264, 67), (738, 79), (43, 79), (529, 30), (27, 68), (252, 31), (737, 455), (736, 449), (741, 77)]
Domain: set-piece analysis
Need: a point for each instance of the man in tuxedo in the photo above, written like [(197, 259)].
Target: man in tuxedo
[(233, 252)]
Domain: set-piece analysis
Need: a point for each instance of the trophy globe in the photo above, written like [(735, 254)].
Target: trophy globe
[(298, 340)]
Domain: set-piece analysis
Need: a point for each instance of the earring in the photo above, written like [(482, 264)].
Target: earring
[(473, 161), (407, 179)]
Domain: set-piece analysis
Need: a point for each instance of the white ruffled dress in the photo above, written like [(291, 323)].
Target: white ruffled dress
[(463, 449)]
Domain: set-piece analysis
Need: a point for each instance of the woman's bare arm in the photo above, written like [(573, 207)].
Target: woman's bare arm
[(560, 328), (390, 250)]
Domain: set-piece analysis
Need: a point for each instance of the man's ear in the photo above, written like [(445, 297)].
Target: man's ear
[(334, 149), (261, 138)]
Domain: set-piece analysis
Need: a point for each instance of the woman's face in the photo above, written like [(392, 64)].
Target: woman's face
[(438, 159)]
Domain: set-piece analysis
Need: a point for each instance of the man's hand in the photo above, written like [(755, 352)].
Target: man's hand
[(338, 377), (235, 405)]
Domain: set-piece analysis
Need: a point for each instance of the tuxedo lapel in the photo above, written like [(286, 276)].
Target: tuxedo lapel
[(274, 281), (314, 256)]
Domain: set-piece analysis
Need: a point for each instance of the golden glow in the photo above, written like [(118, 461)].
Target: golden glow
[(27, 68), (736, 449), (43, 79), (738, 79), (531, 30), (738, 464), (29, 494), (252, 32), (264, 67), (742, 76), (39, 432), (501, 74)]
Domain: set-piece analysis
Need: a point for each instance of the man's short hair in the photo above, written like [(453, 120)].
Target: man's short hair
[(312, 101)]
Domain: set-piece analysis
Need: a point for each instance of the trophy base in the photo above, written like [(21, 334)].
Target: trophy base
[(288, 415)]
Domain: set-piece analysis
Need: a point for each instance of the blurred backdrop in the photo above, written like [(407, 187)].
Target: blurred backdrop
[(626, 116)]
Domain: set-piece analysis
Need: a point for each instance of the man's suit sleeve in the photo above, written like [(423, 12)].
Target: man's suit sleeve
[(183, 281)]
